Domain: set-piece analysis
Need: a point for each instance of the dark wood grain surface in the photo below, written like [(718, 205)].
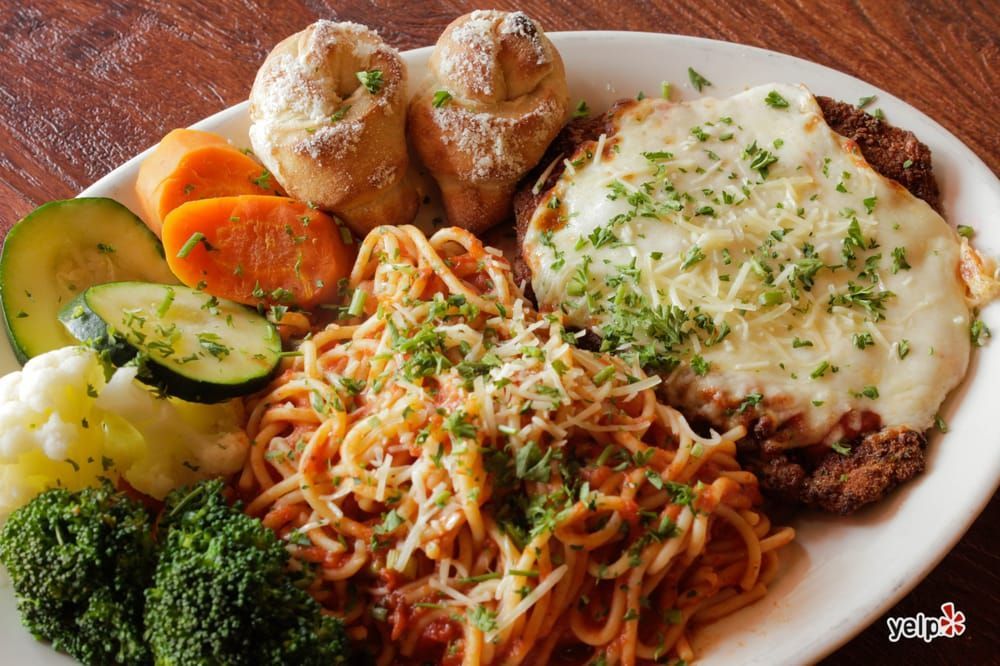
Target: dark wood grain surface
[(86, 84)]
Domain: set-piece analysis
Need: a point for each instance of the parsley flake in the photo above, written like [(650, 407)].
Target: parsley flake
[(776, 101), (697, 80), (371, 80), (441, 97)]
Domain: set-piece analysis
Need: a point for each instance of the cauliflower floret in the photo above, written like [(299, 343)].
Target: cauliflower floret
[(184, 442), (60, 381), (49, 431), (62, 424)]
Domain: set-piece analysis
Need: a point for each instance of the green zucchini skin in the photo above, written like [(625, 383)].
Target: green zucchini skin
[(60, 249), (187, 343)]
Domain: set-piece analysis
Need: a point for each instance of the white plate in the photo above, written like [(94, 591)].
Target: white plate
[(841, 573)]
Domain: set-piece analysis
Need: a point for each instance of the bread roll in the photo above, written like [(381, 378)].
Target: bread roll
[(495, 98), (328, 117)]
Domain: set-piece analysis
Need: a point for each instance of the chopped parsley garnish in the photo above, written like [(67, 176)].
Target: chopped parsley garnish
[(806, 269), (680, 493), (865, 101), (581, 110), (902, 348), (852, 241), (870, 204), (190, 243), (337, 116), (263, 181), (899, 260), (602, 236), (352, 386), (604, 375), (697, 80), (483, 619), (907, 164), (841, 447), (776, 101), (862, 340), (458, 425), (965, 231), (692, 257), (282, 294), (531, 465), (820, 370), (390, 523), (940, 423), (212, 343), (481, 578), (771, 297), (371, 80), (357, 305), (870, 392), (979, 332), (167, 301), (762, 161), (871, 301), (441, 97), (699, 365), (469, 370), (752, 400), (798, 342), (581, 278)]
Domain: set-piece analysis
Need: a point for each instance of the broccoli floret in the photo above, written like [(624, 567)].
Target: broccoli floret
[(79, 563), (223, 594)]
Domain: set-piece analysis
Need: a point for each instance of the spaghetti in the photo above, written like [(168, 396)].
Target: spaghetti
[(472, 487)]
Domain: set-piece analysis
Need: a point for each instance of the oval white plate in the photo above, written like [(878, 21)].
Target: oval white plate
[(841, 573)]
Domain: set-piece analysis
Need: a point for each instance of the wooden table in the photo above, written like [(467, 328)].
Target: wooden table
[(87, 84)]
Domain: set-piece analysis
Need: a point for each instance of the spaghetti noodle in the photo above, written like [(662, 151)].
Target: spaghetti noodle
[(472, 487)]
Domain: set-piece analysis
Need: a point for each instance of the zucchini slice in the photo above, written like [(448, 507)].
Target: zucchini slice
[(60, 249), (188, 343)]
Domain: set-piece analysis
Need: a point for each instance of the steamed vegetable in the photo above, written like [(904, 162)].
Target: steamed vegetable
[(191, 345), (188, 165), (79, 563), (223, 593), (59, 250), (62, 424), (213, 588), (51, 428), (258, 250)]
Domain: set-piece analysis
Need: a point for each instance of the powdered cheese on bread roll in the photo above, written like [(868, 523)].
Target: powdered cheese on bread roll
[(495, 99), (328, 119)]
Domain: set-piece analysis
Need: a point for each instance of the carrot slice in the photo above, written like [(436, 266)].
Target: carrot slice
[(188, 165), (258, 250)]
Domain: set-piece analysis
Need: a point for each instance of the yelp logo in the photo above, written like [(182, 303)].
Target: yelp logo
[(950, 625)]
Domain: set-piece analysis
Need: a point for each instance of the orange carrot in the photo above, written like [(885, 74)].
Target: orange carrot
[(188, 165), (258, 250)]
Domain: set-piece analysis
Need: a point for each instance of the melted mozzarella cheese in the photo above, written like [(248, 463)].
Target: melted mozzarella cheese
[(747, 241)]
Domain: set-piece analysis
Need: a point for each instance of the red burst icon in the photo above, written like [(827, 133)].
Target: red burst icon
[(952, 621)]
